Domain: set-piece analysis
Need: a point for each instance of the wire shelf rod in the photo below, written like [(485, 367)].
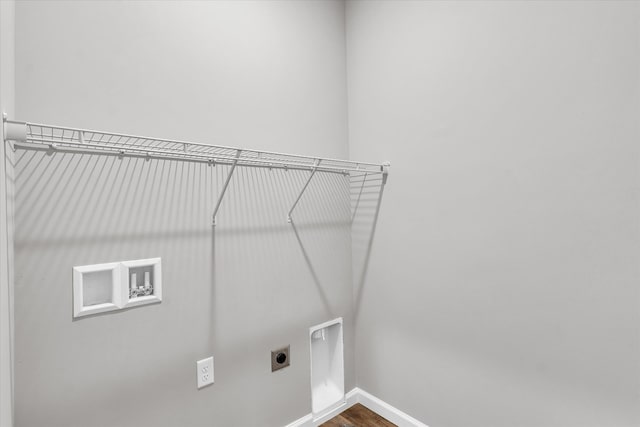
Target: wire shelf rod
[(201, 154), (43, 147), (76, 132), (160, 153)]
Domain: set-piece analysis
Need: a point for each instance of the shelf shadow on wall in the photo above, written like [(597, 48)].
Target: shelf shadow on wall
[(312, 270), (80, 208), (324, 204), (255, 247), (366, 199), (77, 208)]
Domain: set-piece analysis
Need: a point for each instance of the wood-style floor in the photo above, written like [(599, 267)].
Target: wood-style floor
[(358, 416)]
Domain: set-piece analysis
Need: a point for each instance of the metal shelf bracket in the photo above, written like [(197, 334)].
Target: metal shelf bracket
[(13, 131), (385, 172), (225, 186), (313, 172)]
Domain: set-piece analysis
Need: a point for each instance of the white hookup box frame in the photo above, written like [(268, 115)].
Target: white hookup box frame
[(106, 287)]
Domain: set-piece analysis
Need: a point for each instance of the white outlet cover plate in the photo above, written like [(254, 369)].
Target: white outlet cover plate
[(204, 372)]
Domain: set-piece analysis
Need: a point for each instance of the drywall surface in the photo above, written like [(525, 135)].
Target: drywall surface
[(266, 75), (503, 284), (7, 86)]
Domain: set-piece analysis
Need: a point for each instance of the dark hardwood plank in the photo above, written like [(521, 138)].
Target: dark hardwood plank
[(358, 416), (337, 421)]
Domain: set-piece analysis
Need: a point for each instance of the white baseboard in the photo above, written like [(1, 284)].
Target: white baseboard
[(391, 413), (305, 421), (357, 395), (351, 399)]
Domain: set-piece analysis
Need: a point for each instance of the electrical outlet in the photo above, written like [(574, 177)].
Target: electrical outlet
[(280, 358), (204, 372)]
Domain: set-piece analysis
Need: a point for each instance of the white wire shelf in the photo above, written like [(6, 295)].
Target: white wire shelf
[(40, 136), (26, 135)]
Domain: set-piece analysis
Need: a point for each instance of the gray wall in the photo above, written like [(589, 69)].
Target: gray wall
[(503, 282), (267, 75), (7, 87)]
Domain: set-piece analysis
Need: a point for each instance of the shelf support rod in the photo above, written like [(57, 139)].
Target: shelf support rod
[(355, 210), (225, 186), (313, 172)]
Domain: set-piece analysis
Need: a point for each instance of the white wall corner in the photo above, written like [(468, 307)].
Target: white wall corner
[(7, 104)]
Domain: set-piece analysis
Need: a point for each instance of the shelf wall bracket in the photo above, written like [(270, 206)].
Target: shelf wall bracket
[(225, 186), (385, 172), (313, 172), (13, 131)]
